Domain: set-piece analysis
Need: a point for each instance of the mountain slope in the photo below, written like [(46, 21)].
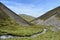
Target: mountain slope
[(27, 17), (14, 16), (9, 26)]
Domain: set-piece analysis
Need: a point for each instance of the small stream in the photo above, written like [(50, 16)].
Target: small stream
[(7, 36), (34, 35)]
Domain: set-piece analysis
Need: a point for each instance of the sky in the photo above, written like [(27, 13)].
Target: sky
[(34, 8)]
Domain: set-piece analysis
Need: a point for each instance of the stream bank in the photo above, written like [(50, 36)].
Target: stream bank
[(34, 35)]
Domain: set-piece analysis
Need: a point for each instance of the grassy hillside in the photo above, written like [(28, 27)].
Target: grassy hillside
[(27, 17), (9, 26)]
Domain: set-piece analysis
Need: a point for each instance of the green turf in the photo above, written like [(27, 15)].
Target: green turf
[(49, 35)]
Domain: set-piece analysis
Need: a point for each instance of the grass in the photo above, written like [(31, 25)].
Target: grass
[(9, 26), (49, 35), (21, 31), (27, 17)]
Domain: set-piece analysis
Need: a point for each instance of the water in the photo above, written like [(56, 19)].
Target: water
[(7, 36), (43, 32)]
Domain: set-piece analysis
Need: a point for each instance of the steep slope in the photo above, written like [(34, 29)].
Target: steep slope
[(9, 26), (27, 17), (48, 14), (14, 16), (6, 23), (50, 18)]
